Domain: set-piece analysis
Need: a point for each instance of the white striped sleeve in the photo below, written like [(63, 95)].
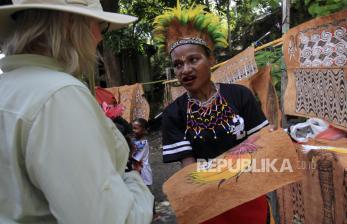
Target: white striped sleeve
[(176, 148), (258, 127), (177, 151)]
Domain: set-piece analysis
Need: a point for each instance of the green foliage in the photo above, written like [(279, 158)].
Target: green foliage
[(263, 6), (304, 10), (253, 19), (138, 35), (325, 7), (272, 57), (244, 21)]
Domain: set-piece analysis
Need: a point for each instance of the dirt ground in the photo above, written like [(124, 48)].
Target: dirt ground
[(161, 172)]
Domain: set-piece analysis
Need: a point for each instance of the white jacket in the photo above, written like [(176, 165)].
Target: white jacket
[(61, 159)]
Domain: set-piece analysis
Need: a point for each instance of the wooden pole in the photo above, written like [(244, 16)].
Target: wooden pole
[(285, 15), (284, 78), (112, 64), (275, 42)]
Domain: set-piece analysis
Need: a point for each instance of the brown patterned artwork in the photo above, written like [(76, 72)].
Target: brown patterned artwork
[(326, 179), (261, 85), (141, 107), (320, 197), (322, 93), (196, 200), (131, 97), (345, 196), (298, 203), (239, 67), (316, 55)]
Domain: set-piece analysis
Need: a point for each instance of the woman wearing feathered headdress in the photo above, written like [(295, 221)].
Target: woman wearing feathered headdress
[(210, 118)]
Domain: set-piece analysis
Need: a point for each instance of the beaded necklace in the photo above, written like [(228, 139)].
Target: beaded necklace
[(208, 115)]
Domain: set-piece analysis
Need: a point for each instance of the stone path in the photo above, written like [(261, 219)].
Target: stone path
[(161, 172), (164, 214)]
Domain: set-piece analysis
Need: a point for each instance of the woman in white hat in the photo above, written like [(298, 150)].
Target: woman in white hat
[(61, 159)]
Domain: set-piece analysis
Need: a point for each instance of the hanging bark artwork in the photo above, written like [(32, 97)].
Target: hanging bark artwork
[(131, 97), (315, 53), (204, 190), (239, 67), (261, 85), (323, 185)]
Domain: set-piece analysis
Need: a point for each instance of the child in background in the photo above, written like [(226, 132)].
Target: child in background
[(141, 154)]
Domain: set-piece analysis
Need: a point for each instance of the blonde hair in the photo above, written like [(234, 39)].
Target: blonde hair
[(63, 36)]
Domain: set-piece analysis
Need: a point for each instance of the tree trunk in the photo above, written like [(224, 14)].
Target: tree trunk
[(284, 77), (113, 72), (111, 61), (129, 65), (110, 5)]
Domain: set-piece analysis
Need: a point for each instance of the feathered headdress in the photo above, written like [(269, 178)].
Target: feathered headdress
[(194, 25)]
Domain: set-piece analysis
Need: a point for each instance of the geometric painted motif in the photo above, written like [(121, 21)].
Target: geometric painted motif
[(323, 93), (323, 49), (131, 97), (315, 54), (298, 203), (141, 107), (345, 196), (241, 66), (238, 73), (326, 181)]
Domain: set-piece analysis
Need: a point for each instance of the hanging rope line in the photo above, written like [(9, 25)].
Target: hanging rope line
[(154, 82)]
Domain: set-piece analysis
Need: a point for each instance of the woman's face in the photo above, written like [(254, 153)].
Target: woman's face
[(192, 66)]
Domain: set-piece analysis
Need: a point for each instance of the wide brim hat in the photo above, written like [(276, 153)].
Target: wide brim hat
[(89, 8)]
